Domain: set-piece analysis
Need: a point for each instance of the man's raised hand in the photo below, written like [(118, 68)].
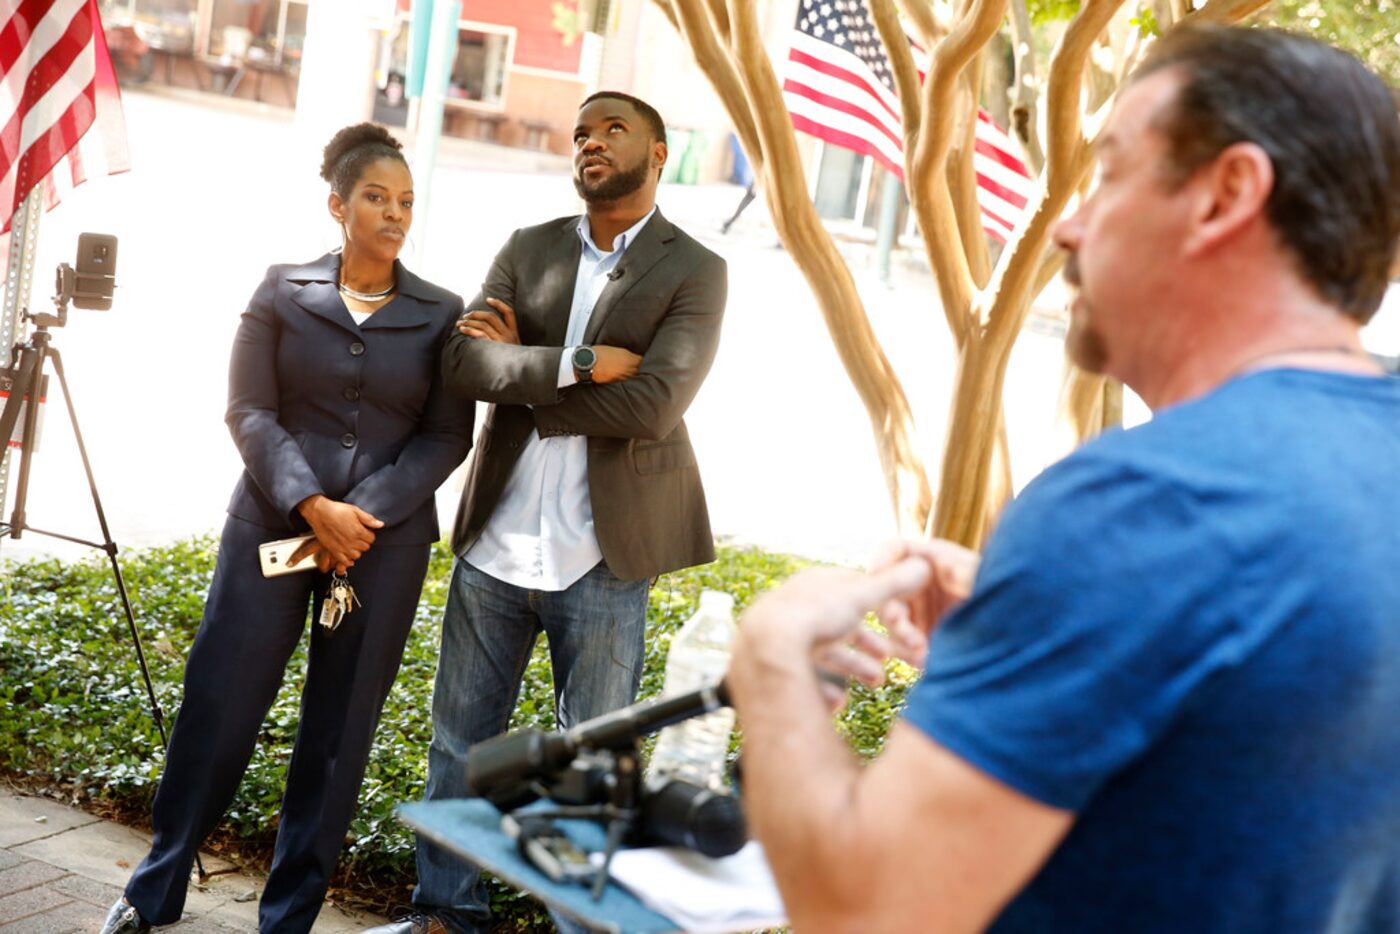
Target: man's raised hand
[(911, 618)]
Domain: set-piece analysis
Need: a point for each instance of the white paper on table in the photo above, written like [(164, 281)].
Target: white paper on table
[(707, 896)]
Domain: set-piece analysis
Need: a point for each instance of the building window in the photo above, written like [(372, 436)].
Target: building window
[(268, 30), (165, 25), (839, 176), (479, 70)]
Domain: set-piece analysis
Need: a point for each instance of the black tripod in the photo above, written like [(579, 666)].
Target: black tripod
[(27, 360)]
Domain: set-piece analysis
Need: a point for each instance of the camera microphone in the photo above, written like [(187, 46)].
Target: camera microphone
[(506, 769), (615, 274), (679, 813)]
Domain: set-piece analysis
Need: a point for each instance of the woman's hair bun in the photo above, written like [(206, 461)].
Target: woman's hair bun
[(349, 139)]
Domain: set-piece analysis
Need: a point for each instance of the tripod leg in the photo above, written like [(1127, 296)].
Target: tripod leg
[(616, 828), (110, 547), (28, 378)]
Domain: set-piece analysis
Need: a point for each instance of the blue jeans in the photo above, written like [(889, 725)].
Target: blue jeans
[(596, 630)]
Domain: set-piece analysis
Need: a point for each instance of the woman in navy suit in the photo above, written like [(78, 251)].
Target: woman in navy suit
[(336, 405)]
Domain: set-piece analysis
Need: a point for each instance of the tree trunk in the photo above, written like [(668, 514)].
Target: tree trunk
[(969, 454)]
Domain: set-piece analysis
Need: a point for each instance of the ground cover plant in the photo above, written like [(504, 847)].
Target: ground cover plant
[(75, 722)]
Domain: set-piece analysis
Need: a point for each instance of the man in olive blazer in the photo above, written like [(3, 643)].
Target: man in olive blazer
[(648, 505), (590, 337)]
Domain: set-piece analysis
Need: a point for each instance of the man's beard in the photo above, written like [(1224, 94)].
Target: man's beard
[(1083, 344), (618, 185)]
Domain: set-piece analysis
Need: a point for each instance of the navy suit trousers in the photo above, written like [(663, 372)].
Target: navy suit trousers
[(251, 626)]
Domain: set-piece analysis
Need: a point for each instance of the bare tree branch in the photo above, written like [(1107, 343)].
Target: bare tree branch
[(901, 59), (926, 165), (719, 16), (1023, 121), (698, 31), (665, 7), (962, 172), (1227, 11), (925, 23)]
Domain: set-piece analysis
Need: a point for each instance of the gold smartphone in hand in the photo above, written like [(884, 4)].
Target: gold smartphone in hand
[(273, 556)]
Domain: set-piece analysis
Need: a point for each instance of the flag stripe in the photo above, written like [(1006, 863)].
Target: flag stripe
[(998, 149), (18, 32), (987, 183), (19, 41), (840, 83), (850, 69), (859, 144), (58, 81), (45, 110), (842, 105), (848, 126)]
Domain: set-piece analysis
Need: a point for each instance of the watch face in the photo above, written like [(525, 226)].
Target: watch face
[(584, 358)]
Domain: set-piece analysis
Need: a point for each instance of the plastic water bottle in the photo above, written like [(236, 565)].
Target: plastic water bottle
[(696, 750)]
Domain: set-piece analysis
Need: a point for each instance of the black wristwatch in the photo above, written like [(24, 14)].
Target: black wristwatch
[(583, 360)]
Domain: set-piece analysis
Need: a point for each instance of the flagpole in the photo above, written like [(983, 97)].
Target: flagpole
[(439, 53), (19, 276)]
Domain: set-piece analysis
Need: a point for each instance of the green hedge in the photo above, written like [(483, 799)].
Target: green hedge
[(74, 715)]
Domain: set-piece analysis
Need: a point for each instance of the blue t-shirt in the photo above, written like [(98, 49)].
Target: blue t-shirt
[(1189, 634)]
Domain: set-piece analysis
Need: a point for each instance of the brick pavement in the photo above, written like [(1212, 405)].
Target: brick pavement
[(61, 869)]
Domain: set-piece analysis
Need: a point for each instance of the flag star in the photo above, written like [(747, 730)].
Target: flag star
[(839, 39), (826, 9), (818, 31)]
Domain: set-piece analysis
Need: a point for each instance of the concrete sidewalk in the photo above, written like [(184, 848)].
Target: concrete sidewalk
[(61, 869)]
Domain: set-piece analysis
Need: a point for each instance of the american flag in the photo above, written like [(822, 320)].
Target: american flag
[(840, 89), (58, 81)]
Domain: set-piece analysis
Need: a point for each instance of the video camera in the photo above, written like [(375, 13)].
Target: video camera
[(593, 771)]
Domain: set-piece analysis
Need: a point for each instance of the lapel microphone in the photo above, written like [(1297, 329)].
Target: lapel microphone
[(615, 274)]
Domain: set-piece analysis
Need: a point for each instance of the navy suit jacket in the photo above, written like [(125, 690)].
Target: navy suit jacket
[(359, 413)]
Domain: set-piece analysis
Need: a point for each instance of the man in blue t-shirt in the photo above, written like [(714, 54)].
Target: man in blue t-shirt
[(1168, 698)]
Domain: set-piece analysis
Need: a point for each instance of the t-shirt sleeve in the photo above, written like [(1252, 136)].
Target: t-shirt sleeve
[(1091, 624)]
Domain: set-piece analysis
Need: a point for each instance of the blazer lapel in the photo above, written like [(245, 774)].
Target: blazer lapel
[(649, 249), (408, 309), (318, 294), (559, 301)]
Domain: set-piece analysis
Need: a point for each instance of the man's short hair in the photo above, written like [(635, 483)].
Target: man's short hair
[(1330, 128), (655, 125)]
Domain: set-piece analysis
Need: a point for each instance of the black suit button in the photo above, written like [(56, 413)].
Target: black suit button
[(351, 394), (347, 440), (356, 349)]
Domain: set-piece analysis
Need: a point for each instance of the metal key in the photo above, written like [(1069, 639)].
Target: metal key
[(346, 595), (331, 612), (340, 600)]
